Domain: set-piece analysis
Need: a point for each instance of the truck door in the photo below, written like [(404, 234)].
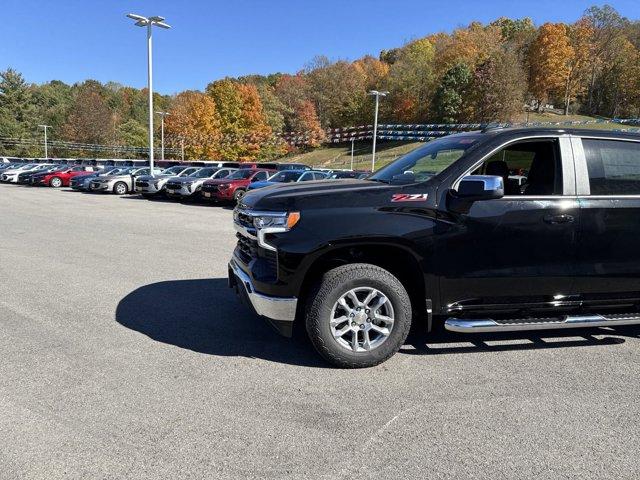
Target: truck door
[(519, 251), (608, 264)]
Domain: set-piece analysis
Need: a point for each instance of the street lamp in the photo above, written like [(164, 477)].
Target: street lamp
[(46, 152), (376, 94), (149, 23), (162, 115)]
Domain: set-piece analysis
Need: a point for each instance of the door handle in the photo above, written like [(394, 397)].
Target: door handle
[(557, 219)]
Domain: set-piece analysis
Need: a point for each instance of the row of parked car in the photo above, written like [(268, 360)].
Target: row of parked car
[(210, 181)]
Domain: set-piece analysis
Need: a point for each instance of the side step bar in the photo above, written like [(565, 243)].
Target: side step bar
[(524, 324)]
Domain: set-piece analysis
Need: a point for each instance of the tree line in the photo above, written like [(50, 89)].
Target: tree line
[(479, 73)]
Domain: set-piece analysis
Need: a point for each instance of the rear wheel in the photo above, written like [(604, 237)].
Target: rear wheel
[(359, 315), (55, 182), (238, 194), (120, 188)]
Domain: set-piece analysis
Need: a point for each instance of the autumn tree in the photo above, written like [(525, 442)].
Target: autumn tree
[(549, 58), (90, 119), (498, 88), (411, 82), (194, 120)]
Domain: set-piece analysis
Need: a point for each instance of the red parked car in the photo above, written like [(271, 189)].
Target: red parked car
[(61, 178), (233, 187)]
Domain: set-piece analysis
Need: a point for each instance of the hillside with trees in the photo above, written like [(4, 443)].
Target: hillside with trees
[(478, 74)]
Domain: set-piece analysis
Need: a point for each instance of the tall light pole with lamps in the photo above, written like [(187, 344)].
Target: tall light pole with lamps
[(376, 94), (149, 22)]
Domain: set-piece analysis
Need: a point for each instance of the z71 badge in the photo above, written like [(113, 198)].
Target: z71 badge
[(409, 197)]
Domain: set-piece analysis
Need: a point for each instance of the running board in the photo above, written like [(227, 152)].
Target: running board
[(524, 324)]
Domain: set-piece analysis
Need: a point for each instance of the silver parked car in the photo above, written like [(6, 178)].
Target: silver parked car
[(120, 183), (150, 185), (184, 187)]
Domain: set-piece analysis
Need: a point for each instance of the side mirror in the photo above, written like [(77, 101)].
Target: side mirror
[(475, 188)]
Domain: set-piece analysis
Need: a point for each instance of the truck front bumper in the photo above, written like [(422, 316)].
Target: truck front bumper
[(281, 311)]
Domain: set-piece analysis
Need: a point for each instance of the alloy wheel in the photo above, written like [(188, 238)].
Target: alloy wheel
[(362, 319)]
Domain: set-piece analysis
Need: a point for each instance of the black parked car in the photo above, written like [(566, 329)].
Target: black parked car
[(450, 234)]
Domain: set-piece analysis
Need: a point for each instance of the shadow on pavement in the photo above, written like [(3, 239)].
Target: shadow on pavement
[(205, 316), (444, 342)]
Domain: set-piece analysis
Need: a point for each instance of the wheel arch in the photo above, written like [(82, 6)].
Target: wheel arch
[(400, 260)]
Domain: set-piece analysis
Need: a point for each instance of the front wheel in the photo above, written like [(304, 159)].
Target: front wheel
[(55, 182), (120, 188), (359, 315), (238, 194)]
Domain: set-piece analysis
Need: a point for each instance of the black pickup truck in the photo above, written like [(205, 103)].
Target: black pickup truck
[(489, 231)]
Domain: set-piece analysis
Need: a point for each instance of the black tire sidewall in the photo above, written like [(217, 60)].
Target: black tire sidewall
[(238, 194), (321, 306)]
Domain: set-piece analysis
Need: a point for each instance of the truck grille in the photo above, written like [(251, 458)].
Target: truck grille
[(265, 262)]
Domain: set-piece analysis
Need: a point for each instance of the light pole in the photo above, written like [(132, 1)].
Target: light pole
[(352, 140), (182, 148), (46, 151), (149, 23), (162, 115), (376, 94)]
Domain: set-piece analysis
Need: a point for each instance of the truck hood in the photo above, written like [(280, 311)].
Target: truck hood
[(318, 194)]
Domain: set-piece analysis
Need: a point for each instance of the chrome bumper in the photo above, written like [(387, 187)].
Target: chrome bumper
[(282, 309)]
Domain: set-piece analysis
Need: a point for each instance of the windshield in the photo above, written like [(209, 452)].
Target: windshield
[(204, 173), (241, 174), (188, 172), (424, 162), (286, 176), (172, 170)]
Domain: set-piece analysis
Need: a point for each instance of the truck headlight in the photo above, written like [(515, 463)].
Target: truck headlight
[(284, 221), (276, 222)]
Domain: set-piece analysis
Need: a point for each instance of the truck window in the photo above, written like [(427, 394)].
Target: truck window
[(527, 168), (613, 166)]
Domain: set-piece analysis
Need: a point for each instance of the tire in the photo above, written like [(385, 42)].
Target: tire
[(323, 306), (55, 182), (120, 188), (238, 194)]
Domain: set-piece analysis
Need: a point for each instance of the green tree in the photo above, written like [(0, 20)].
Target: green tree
[(449, 99)]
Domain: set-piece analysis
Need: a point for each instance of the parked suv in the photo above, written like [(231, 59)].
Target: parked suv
[(120, 183), (450, 235), (233, 187), (152, 185), (189, 186)]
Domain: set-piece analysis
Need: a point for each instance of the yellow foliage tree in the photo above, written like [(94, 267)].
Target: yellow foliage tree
[(549, 58), (195, 121)]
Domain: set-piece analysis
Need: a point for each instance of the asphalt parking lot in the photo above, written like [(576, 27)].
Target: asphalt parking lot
[(125, 355)]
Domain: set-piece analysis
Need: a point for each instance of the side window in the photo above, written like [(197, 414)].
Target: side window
[(531, 167), (260, 176), (613, 166), (306, 177)]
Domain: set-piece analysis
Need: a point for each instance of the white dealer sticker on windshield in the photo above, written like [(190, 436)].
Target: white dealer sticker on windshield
[(409, 197)]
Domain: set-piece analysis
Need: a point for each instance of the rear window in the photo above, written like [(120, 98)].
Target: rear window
[(613, 166)]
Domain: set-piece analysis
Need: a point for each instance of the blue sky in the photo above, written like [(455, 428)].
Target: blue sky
[(72, 40)]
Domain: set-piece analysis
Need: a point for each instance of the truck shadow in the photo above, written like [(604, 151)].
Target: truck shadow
[(444, 342), (204, 316)]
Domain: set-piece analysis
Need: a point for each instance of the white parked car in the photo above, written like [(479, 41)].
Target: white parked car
[(11, 176)]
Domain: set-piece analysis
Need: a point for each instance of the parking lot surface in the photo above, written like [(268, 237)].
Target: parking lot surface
[(125, 355)]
